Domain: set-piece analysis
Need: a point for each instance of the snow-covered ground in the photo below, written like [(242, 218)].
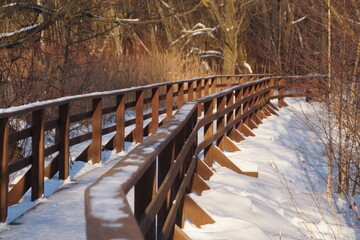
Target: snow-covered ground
[(285, 202)]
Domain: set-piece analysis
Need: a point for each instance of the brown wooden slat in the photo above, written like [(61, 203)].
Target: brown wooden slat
[(203, 170), (64, 145), (198, 185), (4, 173), (119, 137), (21, 187), (227, 143), (20, 164), (80, 117), (37, 184), (95, 146), (154, 110), (139, 119), (180, 234), (236, 136), (224, 161), (20, 135), (195, 213), (169, 102)]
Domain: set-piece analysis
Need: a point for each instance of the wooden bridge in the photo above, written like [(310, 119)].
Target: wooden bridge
[(174, 157)]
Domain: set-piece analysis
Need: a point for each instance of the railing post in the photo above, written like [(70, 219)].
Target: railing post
[(4, 173), (228, 82), (208, 131), (207, 87), (139, 118), (281, 102), (96, 130), (165, 159), (190, 92), (198, 95), (230, 101), (213, 86), (169, 102), (220, 122), (180, 95), (144, 191), (64, 124), (37, 190), (154, 110), (120, 123)]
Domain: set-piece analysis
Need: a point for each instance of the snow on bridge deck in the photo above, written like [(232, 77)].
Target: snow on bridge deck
[(281, 204)]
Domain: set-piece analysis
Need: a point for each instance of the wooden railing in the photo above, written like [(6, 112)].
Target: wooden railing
[(172, 161), (57, 118)]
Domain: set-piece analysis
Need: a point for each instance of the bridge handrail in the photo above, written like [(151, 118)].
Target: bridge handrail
[(161, 98), (176, 142)]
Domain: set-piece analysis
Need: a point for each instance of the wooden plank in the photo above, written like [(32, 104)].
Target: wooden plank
[(52, 168), (64, 124), (165, 159), (207, 87), (20, 188), (203, 170), (154, 110), (224, 161), (195, 213), (37, 182), (95, 147), (180, 97), (119, 137), (169, 102), (190, 92), (139, 119), (213, 85), (236, 136), (4, 173), (199, 94), (271, 110), (244, 129), (228, 144), (198, 185), (179, 234), (144, 193), (208, 131), (249, 122)]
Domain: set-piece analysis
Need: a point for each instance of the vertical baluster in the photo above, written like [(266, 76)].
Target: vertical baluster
[(96, 131), (154, 110), (120, 123), (228, 82), (37, 155), (180, 95), (199, 95), (169, 102), (207, 87), (144, 192), (190, 90), (281, 101), (165, 159), (213, 85), (208, 132), (64, 124), (4, 173), (220, 122), (139, 118)]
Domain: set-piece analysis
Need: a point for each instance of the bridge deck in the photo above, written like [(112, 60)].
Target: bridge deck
[(252, 208)]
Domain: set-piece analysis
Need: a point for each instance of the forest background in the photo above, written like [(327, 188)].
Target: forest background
[(55, 48)]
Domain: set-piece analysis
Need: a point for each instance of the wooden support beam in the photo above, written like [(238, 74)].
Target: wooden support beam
[(64, 146), (180, 95), (208, 131), (203, 170), (227, 144), (169, 102), (38, 136), (256, 119), (250, 123), (95, 147), (273, 106), (195, 213), (198, 185), (21, 187), (179, 234), (119, 137), (224, 161), (139, 118), (236, 136), (4, 173), (244, 129), (271, 110)]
